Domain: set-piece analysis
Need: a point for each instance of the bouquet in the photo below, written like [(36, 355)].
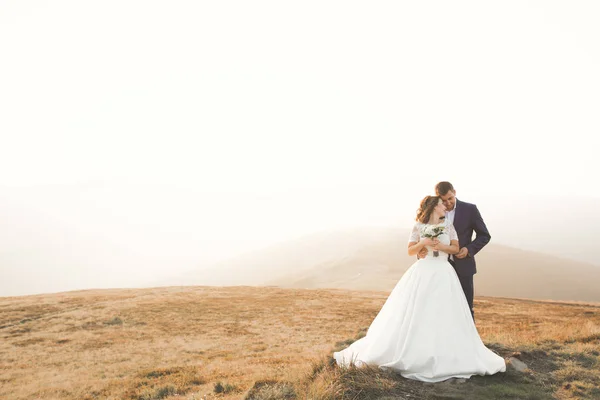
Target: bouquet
[(432, 232)]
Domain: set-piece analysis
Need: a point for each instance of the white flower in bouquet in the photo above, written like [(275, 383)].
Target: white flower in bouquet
[(432, 232)]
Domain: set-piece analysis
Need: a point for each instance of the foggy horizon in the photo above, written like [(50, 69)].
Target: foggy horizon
[(104, 236)]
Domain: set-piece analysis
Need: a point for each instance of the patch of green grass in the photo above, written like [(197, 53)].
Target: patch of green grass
[(163, 382), (271, 390), (161, 372), (158, 393), (552, 367), (225, 388), (114, 321)]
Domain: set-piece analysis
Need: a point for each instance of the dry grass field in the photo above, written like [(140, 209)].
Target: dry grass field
[(267, 343)]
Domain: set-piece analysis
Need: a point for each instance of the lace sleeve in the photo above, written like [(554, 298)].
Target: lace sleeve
[(415, 235), (452, 232)]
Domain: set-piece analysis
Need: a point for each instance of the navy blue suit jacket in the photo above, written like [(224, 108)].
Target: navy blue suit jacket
[(467, 220)]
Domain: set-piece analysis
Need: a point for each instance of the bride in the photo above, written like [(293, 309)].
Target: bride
[(425, 330)]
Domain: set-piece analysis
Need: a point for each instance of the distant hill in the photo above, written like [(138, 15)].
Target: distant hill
[(375, 259), (94, 235)]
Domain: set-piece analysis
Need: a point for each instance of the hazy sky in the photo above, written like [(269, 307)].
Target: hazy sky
[(340, 105), (257, 95)]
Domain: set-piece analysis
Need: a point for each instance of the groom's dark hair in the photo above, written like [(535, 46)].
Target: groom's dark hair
[(442, 188)]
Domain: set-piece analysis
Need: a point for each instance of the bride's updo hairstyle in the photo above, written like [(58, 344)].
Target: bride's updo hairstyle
[(426, 208)]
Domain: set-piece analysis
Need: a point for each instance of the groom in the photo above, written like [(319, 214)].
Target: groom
[(466, 219)]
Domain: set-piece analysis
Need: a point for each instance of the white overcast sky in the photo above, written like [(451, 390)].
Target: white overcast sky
[(275, 95), (275, 118)]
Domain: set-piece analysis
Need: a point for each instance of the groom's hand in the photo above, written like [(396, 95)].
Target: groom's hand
[(422, 253), (462, 253)]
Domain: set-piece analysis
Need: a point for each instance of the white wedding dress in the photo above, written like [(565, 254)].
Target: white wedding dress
[(425, 330)]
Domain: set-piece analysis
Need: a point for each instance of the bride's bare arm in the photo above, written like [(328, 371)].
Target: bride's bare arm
[(452, 248), (415, 247)]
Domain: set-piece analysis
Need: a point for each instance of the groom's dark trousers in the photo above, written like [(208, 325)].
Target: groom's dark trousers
[(467, 220)]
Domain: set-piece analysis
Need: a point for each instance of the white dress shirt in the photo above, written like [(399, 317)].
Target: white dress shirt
[(450, 219)]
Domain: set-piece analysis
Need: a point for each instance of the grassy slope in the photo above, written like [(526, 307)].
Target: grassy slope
[(266, 343)]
